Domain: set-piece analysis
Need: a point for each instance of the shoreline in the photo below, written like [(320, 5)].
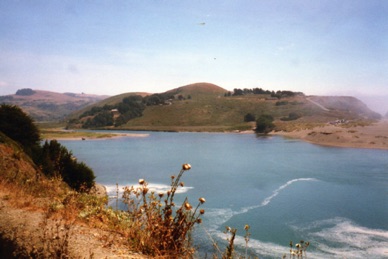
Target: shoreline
[(96, 136), (374, 136)]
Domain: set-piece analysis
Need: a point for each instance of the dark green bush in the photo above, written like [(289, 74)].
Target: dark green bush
[(264, 124), (292, 116), (249, 117), (56, 160), (18, 126)]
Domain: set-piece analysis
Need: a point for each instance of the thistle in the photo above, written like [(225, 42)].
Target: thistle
[(246, 238), (163, 228)]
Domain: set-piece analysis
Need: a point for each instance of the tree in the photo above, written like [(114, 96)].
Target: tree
[(249, 117), (20, 127), (264, 124), (237, 92), (25, 92), (102, 119)]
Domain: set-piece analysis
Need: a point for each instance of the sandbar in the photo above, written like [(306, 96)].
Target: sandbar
[(91, 136), (374, 136)]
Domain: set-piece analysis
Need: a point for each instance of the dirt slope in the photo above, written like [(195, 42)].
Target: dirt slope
[(28, 229)]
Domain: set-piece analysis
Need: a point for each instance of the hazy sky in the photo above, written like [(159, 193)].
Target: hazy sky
[(111, 47)]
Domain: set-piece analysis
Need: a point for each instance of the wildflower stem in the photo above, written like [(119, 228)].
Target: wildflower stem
[(174, 185)]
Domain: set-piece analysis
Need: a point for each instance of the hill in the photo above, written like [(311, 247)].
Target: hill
[(49, 106), (208, 107)]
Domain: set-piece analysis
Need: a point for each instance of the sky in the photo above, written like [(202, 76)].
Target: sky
[(328, 47)]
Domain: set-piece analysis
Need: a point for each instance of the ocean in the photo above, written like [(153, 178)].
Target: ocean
[(335, 198)]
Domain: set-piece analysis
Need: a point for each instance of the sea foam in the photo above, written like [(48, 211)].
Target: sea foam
[(345, 238), (333, 238), (153, 187), (275, 193)]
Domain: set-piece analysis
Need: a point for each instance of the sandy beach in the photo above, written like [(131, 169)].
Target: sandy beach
[(372, 136)]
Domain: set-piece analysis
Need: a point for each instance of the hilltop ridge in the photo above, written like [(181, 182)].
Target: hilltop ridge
[(198, 88), (208, 107), (49, 106)]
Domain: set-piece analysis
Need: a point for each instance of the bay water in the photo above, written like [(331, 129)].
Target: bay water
[(335, 198)]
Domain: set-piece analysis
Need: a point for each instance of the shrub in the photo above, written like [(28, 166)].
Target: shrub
[(249, 117), (264, 124), (292, 116), (280, 103), (56, 161)]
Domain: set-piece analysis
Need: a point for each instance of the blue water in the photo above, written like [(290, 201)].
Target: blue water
[(285, 190)]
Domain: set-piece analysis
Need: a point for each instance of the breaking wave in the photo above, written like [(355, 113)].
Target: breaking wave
[(112, 189)]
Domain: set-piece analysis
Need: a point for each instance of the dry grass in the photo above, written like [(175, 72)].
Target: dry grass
[(296, 126)]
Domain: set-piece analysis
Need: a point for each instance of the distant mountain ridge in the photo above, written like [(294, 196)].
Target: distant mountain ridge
[(49, 106)]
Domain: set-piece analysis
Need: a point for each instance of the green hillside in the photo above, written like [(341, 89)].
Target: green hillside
[(207, 107), (107, 101)]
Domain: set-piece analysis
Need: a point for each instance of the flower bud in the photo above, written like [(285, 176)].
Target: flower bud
[(202, 200), (141, 181), (187, 206), (186, 167), (202, 211)]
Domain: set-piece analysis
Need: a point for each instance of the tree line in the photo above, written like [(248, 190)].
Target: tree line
[(246, 91)]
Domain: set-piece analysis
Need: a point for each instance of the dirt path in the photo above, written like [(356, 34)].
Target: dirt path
[(27, 233), (317, 104)]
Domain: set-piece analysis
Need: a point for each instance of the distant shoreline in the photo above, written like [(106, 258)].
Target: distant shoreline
[(77, 136), (374, 136)]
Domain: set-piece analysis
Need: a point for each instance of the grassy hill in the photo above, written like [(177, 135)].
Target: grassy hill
[(106, 101), (208, 107), (49, 106)]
